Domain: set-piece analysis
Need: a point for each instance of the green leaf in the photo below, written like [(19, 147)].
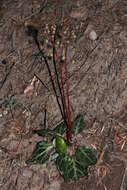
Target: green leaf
[(77, 167), (63, 164), (85, 156), (78, 125), (44, 132), (41, 153), (60, 145), (60, 128), (69, 168)]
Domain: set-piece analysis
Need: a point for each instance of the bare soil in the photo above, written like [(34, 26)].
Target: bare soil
[(97, 89)]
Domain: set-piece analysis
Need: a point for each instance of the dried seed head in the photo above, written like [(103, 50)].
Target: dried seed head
[(58, 43), (63, 57), (65, 32), (51, 55), (73, 61), (46, 41), (46, 27), (52, 37)]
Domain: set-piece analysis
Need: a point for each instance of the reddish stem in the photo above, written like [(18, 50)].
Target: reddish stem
[(61, 77), (69, 130), (66, 104), (66, 100)]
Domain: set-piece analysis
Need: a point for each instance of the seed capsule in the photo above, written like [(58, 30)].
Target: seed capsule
[(60, 144)]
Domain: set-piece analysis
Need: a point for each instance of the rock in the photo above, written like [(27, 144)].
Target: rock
[(27, 173), (92, 35)]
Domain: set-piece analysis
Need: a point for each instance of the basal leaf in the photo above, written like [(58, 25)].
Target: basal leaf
[(77, 167), (70, 168), (64, 163), (60, 128), (44, 132), (78, 125), (85, 156), (41, 153)]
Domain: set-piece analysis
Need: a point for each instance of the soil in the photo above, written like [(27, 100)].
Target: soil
[(97, 89)]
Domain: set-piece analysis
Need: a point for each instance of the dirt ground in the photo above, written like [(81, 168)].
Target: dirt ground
[(97, 88)]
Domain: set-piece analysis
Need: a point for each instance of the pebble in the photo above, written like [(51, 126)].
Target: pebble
[(27, 173), (92, 35)]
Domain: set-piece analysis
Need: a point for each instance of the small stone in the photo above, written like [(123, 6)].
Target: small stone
[(93, 35), (27, 173)]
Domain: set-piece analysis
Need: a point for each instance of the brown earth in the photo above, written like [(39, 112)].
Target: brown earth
[(98, 89)]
